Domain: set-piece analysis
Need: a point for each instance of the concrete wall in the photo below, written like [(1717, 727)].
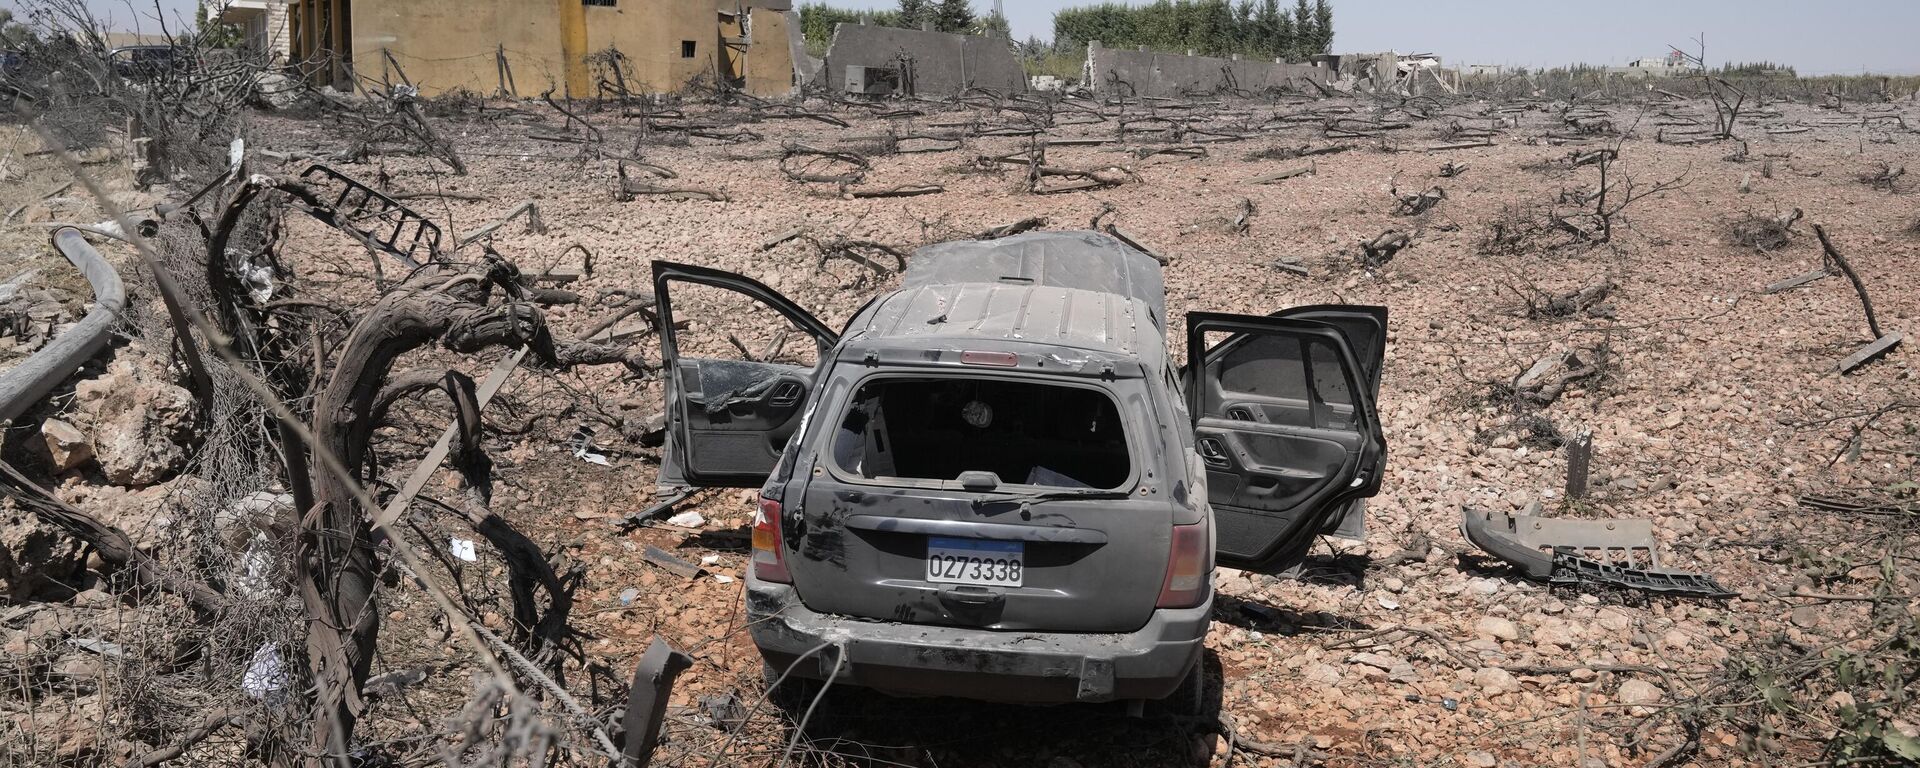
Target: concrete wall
[(769, 66), (943, 64), (445, 45), (1165, 74)]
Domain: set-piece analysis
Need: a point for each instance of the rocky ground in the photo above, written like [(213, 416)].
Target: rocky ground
[(1715, 410)]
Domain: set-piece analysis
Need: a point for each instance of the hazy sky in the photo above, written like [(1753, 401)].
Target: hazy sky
[(1815, 36)]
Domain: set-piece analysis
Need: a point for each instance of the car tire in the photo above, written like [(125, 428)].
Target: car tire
[(792, 695), (1190, 701)]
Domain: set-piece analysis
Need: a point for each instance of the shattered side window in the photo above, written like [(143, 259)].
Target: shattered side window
[(1024, 432), (1265, 366), (717, 323), (1330, 385)]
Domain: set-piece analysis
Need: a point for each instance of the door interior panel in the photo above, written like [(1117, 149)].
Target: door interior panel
[(1277, 425), (742, 412), (728, 420), (1270, 468)]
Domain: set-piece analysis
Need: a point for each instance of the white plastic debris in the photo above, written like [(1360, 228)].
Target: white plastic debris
[(97, 645), (266, 674), (463, 549), (687, 519), (709, 559), (582, 445), (721, 578), (255, 580)]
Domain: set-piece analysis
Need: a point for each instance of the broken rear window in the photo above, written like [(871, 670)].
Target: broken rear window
[(1022, 431)]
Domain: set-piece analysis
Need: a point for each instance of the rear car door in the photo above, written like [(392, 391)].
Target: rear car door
[(729, 413), (1284, 421)]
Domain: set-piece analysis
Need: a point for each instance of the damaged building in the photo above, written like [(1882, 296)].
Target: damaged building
[(1388, 72), (881, 61), (264, 25), (525, 49), (1147, 73)]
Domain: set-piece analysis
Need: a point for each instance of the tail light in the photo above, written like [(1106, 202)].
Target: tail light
[(768, 563), (1186, 583)]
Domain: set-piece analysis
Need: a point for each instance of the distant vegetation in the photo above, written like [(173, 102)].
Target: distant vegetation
[(1755, 69), (1261, 29), (817, 20), (1212, 27), (1763, 80)]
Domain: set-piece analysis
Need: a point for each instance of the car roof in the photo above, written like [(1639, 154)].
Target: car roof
[(1078, 260), (949, 315)]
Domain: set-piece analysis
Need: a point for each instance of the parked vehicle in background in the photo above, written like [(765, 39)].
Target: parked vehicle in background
[(995, 483), (142, 62)]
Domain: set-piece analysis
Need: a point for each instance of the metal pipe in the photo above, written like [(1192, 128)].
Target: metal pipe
[(24, 384)]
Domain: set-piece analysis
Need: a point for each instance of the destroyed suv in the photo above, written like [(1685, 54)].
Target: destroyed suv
[(996, 484)]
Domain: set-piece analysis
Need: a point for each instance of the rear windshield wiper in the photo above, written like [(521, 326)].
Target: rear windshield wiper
[(1038, 497)]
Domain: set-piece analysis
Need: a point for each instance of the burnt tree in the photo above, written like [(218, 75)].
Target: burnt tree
[(337, 566)]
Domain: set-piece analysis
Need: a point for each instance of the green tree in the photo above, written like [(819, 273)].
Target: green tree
[(1283, 38), (994, 25), (1266, 26), (1243, 28), (1303, 31), (1322, 27), (953, 16), (214, 33), (913, 12), (12, 33)]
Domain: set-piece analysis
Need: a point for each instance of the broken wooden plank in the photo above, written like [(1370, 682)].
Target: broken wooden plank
[(1459, 145), (1871, 352), (1797, 281), (1077, 142), (561, 274)]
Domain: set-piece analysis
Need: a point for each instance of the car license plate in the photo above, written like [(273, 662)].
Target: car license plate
[(976, 561)]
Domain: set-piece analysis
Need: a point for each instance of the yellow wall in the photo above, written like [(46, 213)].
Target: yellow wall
[(770, 59), (446, 45), (649, 34)]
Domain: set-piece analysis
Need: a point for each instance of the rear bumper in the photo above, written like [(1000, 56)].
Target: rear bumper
[(1010, 666)]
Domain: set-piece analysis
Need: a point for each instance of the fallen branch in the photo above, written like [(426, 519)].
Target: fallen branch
[(1304, 170), (1009, 230), (526, 207), (903, 190)]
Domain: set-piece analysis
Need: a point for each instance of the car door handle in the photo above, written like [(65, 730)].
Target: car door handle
[(786, 394), (1213, 453)]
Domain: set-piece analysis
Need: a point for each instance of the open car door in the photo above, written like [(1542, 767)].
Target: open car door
[(728, 418), (1283, 418)]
